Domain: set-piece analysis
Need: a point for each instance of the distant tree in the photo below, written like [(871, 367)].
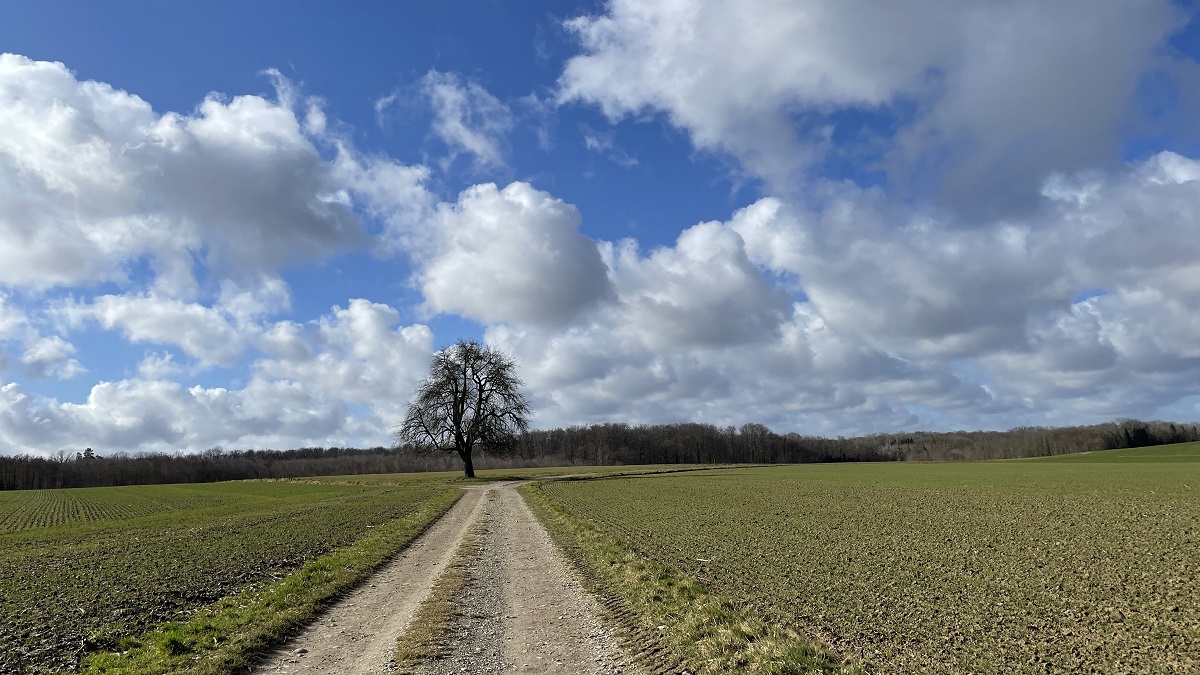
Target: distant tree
[(471, 398)]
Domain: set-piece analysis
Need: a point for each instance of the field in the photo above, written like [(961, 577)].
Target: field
[(83, 570), (94, 570), (1180, 452), (1080, 564)]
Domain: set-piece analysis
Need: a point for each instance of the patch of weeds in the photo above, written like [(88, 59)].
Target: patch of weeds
[(174, 641), (425, 637)]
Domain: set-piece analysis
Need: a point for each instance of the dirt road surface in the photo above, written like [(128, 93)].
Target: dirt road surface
[(523, 609), (358, 633)]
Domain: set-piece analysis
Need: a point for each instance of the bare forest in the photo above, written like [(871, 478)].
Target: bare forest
[(597, 445)]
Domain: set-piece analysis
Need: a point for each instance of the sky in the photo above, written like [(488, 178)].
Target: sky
[(250, 225)]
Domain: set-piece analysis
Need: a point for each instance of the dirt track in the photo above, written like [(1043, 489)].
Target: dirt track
[(523, 610)]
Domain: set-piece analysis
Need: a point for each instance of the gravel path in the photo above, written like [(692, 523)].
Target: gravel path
[(523, 609), (475, 638), (358, 633)]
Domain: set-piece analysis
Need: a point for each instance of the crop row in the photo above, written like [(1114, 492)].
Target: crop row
[(997, 567), (65, 591), (32, 509)]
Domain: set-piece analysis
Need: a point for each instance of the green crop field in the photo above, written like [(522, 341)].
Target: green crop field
[(1180, 452), (86, 570), (1086, 564), (95, 570)]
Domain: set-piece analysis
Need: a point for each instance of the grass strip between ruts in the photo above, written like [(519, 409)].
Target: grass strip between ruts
[(425, 637), (702, 632), (230, 634)]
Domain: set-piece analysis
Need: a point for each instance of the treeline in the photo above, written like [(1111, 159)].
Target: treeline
[(597, 445), (90, 469), (606, 444)]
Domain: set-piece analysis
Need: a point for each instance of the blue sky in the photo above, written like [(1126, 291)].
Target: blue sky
[(250, 226)]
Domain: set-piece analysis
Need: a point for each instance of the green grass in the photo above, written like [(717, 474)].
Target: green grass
[(991, 567), (1179, 452), (155, 568)]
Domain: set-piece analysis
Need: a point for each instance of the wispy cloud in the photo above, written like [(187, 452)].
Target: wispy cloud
[(468, 119)]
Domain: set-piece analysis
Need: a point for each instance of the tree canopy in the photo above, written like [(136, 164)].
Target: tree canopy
[(472, 397)]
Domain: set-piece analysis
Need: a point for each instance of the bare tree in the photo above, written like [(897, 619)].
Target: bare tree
[(471, 397)]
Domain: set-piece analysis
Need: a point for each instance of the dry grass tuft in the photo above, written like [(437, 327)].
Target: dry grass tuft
[(426, 636)]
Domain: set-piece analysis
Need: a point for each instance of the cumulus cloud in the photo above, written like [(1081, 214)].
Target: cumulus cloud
[(511, 255), (93, 179), (493, 255), (95, 186), (395, 194), (916, 283), (988, 97), (205, 333), (158, 415), (697, 331), (1083, 311), (702, 291), (159, 366), (1008, 270), (468, 119), (300, 393), (353, 354), (803, 378), (51, 357), (823, 307)]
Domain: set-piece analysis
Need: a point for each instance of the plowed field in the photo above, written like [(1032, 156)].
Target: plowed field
[(996, 567)]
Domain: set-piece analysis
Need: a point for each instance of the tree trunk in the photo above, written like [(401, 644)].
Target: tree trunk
[(468, 466)]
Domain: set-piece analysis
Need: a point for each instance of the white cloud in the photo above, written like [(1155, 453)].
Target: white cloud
[(354, 355), (990, 97), (157, 415), (393, 193), (917, 284), (213, 334), (160, 366), (698, 332), (826, 308), (205, 333), (92, 179), (382, 104), (51, 357), (604, 143), (511, 255), (538, 113), (703, 291), (901, 318), (468, 119), (1012, 115), (304, 392), (264, 297), (12, 319), (802, 379)]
